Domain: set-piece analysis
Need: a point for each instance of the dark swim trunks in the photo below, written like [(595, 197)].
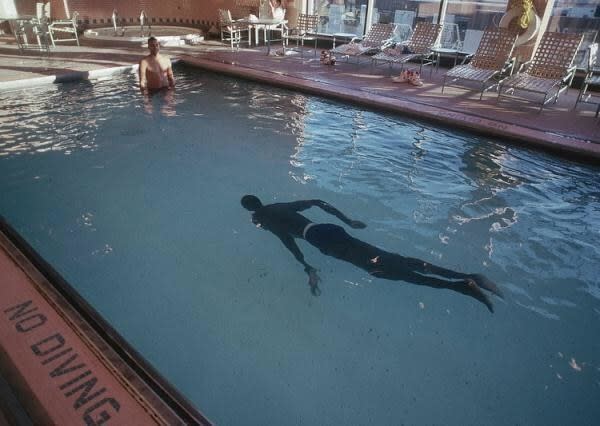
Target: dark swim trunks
[(326, 236)]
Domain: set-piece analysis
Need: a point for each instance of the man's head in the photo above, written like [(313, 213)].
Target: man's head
[(153, 46), (251, 203)]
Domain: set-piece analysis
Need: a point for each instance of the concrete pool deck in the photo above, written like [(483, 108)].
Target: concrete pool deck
[(558, 128)]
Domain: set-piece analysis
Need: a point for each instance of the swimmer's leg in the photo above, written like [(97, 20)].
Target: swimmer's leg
[(467, 286), (481, 280)]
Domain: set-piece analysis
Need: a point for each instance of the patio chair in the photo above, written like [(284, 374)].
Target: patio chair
[(591, 79), (66, 27), (549, 73), (26, 28), (418, 47), (378, 37), (242, 9), (305, 30), (491, 60), (232, 31)]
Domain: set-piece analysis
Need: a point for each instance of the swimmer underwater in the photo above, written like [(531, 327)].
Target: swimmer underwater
[(283, 220)]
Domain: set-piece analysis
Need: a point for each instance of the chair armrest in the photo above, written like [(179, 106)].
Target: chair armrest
[(388, 43), (466, 57)]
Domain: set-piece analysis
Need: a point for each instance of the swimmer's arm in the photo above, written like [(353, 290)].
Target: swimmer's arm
[(313, 278), (303, 205), (170, 76), (291, 245)]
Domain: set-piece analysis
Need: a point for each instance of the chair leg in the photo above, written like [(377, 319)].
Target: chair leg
[(581, 94)]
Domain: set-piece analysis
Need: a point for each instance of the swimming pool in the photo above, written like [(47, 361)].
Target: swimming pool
[(136, 202)]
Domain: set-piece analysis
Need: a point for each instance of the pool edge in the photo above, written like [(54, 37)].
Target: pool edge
[(135, 380), (64, 77)]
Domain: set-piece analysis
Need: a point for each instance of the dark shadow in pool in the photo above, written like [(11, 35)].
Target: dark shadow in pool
[(285, 222)]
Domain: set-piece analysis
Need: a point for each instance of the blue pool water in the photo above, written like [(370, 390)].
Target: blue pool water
[(136, 203)]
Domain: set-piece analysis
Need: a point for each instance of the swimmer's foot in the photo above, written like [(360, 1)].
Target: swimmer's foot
[(486, 284), (470, 288)]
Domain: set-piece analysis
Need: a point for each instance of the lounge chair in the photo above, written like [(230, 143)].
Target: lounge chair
[(66, 27), (549, 73), (378, 37), (305, 30), (232, 31), (25, 29), (492, 59), (418, 46), (592, 78)]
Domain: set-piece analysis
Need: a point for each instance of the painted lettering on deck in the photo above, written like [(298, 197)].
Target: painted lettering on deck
[(64, 364)]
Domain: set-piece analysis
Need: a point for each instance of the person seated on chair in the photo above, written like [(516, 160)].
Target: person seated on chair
[(277, 10), (155, 70), (285, 221)]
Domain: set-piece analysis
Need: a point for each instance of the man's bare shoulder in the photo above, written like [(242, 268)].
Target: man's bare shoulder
[(146, 59), (165, 61)]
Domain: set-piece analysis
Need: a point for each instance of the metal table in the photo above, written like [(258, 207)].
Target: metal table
[(268, 23)]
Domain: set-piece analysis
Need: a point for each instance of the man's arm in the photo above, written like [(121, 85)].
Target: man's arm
[(313, 278), (142, 74), (305, 204), (170, 76)]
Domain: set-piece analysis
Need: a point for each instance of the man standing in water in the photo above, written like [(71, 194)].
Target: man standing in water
[(155, 69), (283, 220)]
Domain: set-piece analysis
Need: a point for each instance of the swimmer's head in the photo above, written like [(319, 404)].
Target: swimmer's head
[(251, 202)]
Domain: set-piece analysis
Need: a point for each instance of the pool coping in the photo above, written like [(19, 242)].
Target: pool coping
[(522, 136), (66, 77), (132, 383)]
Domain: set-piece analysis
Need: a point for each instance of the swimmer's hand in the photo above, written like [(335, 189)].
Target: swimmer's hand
[(357, 224), (313, 281)]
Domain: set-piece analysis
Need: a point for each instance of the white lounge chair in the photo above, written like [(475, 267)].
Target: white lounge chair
[(304, 30), (65, 27), (491, 60), (378, 37), (418, 47), (549, 73)]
